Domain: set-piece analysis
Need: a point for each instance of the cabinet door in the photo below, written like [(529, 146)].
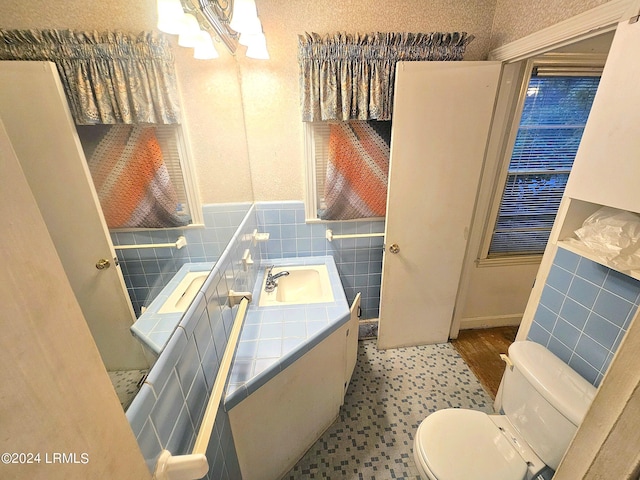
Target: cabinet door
[(441, 119), (40, 127), (607, 166), (352, 341)]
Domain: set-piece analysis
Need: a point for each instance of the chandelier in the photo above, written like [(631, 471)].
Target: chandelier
[(197, 22)]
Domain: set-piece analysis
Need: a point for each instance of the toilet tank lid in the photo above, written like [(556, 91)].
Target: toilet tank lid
[(556, 381)]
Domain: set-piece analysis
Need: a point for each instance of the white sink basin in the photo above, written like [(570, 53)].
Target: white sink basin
[(304, 284), (185, 292)]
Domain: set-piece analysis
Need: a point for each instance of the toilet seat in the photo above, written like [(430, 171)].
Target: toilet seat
[(459, 444)]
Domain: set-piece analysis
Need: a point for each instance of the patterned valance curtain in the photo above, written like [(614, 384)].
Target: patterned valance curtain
[(108, 77), (351, 76)]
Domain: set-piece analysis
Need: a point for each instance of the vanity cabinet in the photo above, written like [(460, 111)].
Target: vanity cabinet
[(278, 414), (275, 425)]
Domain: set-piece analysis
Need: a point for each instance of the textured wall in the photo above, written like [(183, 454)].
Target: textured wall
[(515, 19)]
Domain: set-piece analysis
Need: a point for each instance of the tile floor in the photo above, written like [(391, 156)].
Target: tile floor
[(127, 383), (390, 393)]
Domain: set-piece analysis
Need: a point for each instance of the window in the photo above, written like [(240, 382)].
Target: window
[(370, 139), (175, 159), (554, 112)]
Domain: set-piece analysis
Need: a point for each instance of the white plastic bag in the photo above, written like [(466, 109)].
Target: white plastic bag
[(613, 234)]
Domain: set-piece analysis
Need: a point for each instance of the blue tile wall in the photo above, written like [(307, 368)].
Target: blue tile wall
[(584, 312), (168, 410), (359, 260), (147, 271)]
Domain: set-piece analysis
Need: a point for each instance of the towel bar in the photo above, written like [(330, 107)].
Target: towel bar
[(195, 465), (330, 236), (181, 242)]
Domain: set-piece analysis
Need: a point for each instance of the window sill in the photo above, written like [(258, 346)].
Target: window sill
[(509, 261), (369, 219), (191, 226)]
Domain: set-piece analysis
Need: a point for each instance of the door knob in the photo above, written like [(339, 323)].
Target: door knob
[(103, 263), (394, 248)]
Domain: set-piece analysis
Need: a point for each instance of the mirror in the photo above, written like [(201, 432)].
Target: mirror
[(214, 134), (214, 137), (214, 140)]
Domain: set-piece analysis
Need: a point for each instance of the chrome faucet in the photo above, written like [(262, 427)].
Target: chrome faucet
[(271, 284)]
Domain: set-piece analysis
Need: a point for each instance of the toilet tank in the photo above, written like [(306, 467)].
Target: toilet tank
[(544, 399)]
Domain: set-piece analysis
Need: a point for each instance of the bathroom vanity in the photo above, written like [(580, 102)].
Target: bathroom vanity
[(291, 370)]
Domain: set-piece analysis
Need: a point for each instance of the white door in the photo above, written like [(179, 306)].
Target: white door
[(441, 119), (39, 124)]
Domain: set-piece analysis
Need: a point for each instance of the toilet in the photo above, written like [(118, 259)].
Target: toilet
[(544, 402)]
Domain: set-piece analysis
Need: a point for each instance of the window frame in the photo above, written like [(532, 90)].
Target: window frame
[(189, 177), (579, 63), (311, 191)]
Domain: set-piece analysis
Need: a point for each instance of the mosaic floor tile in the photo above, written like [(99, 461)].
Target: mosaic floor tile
[(127, 383), (390, 393)]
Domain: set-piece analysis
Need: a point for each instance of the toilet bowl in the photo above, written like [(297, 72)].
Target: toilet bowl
[(467, 444), (544, 402)]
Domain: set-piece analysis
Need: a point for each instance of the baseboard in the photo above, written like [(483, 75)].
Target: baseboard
[(490, 322)]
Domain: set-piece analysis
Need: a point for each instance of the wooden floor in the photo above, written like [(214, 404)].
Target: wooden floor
[(481, 350)]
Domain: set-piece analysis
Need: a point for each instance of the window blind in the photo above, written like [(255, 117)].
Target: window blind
[(171, 143), (321, 155), (554, 115), (169, 139)]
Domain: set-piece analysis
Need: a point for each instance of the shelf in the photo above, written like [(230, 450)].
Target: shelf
[(588, 254)]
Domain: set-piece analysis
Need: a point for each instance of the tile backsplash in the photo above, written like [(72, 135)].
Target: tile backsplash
[(584, 312)]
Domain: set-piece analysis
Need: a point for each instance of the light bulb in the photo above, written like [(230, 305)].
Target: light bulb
[(257, 47), (244, 13), (170, 16), (190, 30), (204, 48)]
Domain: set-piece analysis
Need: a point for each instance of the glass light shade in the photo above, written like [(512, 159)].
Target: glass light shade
[(190, 31), (257, 47), (204, 48), (248, 39), (251, 26), (244, 11), (170, 16)]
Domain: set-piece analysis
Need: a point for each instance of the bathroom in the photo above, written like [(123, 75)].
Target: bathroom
[(249, 104)]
